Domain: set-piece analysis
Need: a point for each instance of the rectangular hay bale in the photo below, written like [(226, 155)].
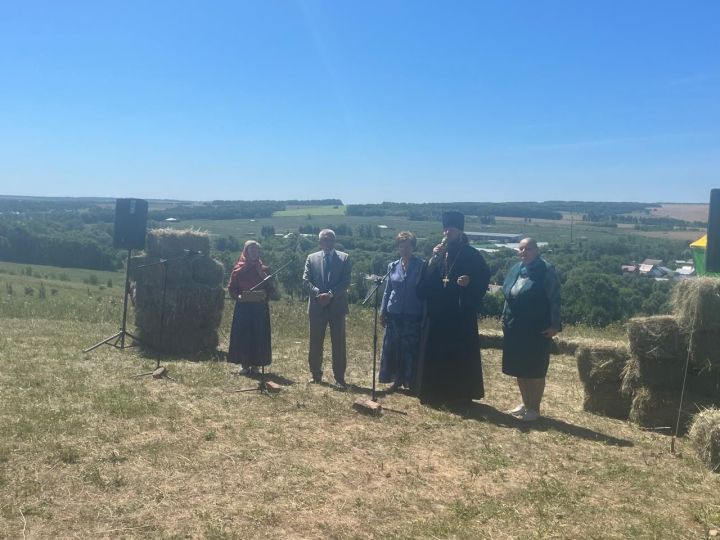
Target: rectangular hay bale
[(659, 409), (168, 243)]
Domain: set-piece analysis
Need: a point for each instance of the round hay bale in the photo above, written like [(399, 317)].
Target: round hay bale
[(606, 400), (696, 303), (601, 364), (705, 437), (658, 409), (171, 243)]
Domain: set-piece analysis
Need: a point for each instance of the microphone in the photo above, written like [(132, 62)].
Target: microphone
[(192, 252), (436, 256)]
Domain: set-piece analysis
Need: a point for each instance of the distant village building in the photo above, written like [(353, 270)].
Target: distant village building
[(684, 271), (653, 268), (171, 220)]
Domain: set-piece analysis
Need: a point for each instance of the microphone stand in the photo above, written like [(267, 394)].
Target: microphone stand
[(373, 294), (372, 406), (159, 370)]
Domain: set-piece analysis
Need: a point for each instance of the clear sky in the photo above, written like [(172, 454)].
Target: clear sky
[(367, 101)]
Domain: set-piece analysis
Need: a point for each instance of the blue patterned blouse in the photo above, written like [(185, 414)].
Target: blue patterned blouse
[(400, 297)]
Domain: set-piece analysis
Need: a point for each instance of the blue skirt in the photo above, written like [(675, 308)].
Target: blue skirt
[(400, 350)]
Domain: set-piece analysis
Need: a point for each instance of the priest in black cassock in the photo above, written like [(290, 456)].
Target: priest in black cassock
[(452, 284)]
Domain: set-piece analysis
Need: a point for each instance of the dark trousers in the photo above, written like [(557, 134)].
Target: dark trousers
[(319, 321)]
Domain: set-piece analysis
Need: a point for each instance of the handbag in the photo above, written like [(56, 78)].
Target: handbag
[(252, 296)]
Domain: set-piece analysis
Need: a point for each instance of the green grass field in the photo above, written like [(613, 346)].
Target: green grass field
[(315, 211), (291, 220), (87, 450)]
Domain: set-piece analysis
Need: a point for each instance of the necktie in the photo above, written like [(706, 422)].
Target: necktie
[(326, 270)]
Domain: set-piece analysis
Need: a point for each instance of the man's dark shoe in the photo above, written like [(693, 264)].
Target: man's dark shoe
[(315, 380), (341, 384)]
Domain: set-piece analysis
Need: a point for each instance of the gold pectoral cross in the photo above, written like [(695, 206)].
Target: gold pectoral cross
[(445, 281)]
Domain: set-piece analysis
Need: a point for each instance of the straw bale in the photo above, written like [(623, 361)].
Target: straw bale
[(659, 350), (656, 337), (630, 377), (170, 243), (704, 382), (207, 271), (560, 345), (186, 323), (177, 271), (493, 339), (705, 346), (705, 436), (659, 409), (606, 400), (179, 297), (490, 339), (601, 364), (696, 303)]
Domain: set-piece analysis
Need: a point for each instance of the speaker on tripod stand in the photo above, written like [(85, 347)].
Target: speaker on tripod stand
[(129, 233)]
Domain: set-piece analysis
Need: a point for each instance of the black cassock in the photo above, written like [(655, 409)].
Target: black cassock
[(450, 368)]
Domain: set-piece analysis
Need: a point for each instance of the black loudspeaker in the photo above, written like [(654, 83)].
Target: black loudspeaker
[(130, 223), (712, 252)]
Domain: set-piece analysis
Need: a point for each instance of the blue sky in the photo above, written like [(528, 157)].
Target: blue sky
[(366, 101)]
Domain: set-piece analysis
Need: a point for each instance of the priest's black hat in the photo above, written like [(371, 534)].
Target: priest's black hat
[(453, 218)]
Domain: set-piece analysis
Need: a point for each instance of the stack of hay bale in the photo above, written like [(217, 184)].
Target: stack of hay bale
[(600, 367), (705, 436), (188, 320), (659, 348), (696, 304)]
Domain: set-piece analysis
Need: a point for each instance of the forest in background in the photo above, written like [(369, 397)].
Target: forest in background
[(77, 233)]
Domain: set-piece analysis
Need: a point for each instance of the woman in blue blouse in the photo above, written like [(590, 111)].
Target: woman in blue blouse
[(401, 315)]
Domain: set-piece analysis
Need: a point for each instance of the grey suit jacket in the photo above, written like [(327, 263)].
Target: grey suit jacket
[(340, 267)]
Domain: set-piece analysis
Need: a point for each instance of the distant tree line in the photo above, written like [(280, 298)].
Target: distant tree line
[(68, 243), (594, 290), (433, 211)]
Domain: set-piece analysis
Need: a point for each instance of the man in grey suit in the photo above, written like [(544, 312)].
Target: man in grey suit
[(326, 279)]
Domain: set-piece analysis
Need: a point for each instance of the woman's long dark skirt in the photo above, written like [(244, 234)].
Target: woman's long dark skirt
[(400, 350), (250, 335)]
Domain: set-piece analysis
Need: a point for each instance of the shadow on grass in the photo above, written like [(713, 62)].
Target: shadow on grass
[(270, 377), (214, 355), (366, 390), (486, 413)]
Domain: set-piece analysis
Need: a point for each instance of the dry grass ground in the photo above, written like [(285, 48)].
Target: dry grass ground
[(86, 450)]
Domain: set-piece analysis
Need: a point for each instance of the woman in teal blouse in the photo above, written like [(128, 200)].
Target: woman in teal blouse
[(531, 317)]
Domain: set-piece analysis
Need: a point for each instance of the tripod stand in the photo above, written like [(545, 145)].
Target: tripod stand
[(264, 386), (118, 340)]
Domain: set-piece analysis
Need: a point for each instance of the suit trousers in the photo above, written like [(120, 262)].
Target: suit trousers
[(319, 321)]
